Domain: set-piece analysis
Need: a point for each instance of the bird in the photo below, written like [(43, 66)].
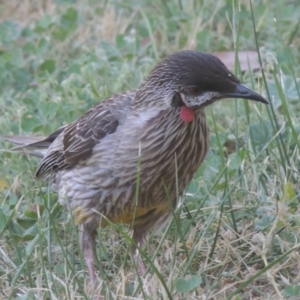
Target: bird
[(131, 156)]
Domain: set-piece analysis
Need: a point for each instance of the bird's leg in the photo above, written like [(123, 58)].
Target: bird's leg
[(87, 239), (139, 239)]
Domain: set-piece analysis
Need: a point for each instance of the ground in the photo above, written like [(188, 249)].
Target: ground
[(237, 234)]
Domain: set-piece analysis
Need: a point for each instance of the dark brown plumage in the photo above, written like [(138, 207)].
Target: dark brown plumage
[(156, 133)]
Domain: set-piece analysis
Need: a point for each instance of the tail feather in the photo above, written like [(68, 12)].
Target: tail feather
[(32, 145)]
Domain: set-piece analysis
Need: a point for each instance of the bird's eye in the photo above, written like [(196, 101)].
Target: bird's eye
[(193, 90)]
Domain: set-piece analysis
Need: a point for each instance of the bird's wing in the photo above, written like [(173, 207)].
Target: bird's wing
[(76, 142)]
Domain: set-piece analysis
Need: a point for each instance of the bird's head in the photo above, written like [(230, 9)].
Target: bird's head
[(194, 80)]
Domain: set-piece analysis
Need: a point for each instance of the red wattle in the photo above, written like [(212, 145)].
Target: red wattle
[(187, 114)]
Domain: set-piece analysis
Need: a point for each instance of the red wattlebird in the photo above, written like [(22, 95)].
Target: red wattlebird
[(156, 133)]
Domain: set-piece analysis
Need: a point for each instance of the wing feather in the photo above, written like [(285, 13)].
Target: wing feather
[(76, 142)]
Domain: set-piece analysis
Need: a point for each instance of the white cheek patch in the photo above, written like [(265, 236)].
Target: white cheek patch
[(201, 99)]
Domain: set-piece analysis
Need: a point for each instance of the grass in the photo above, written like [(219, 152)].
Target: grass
[(237, 237)]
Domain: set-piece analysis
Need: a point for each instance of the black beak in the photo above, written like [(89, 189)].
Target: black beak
[(246, 93)]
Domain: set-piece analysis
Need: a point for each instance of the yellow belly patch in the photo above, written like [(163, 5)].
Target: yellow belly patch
[(140, 215), (135, 216), (81, 215)]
